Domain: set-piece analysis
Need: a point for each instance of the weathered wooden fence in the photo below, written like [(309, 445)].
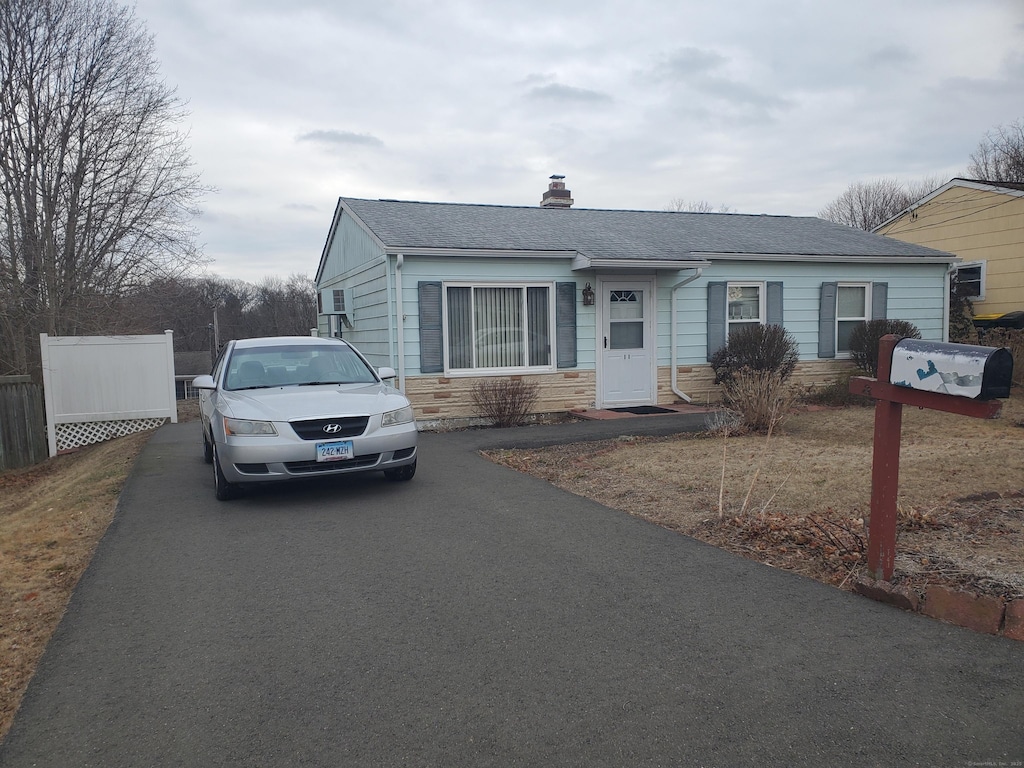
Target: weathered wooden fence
[(22, 423)]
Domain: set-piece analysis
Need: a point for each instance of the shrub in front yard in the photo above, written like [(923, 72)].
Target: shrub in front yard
[(764, 348), (835, 394), (1012, 339), (762, 400), (865, 337), (504, 401)]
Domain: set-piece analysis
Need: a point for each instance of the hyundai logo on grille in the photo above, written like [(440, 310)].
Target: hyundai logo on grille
[(332, 428)]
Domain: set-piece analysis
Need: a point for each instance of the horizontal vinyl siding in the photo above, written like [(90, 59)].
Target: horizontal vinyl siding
[(370, 332), (369, 318), (916, 293), (976, 225)]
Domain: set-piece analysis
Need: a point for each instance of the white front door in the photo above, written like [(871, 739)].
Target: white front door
[(628, 372)]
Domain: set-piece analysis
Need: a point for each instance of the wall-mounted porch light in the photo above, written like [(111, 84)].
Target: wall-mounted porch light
[(588, 295)]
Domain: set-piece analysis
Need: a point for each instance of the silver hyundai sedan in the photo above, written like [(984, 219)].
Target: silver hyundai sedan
[(290, 407)]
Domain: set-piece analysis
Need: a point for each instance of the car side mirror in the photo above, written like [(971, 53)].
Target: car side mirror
[(387, 372), (204, 382)]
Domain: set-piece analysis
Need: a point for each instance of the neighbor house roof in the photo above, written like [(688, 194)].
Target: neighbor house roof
[(594, 237)]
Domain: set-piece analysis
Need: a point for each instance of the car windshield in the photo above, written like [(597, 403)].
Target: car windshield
[(301, 364)]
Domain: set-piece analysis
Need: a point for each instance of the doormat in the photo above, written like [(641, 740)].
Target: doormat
[(642, 410)]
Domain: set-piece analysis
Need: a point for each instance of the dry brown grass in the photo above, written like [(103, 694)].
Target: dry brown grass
[(51, 517), (819, 463)]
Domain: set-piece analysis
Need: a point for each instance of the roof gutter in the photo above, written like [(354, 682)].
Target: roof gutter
[(839, 258), (697, 272), (584, 262)]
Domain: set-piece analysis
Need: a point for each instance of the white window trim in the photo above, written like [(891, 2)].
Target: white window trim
[(761, 309), (847, 354), (984, 275), (511, 370)]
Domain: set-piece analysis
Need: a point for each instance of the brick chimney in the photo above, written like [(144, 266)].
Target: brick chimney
[(557, 195)]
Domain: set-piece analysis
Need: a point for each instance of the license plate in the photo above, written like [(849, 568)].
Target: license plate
[(336, 451)]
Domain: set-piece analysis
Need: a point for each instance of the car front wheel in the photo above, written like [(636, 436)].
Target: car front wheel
[(207, 449), (224, 490), (402, 473)]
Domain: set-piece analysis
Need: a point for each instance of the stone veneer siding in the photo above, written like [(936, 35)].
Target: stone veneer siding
[(443, 397)]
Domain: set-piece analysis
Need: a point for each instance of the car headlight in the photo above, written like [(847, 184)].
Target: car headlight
[(248, 427), (401, 416)]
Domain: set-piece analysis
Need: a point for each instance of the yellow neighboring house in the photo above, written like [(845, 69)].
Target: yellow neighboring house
[(982, 222)]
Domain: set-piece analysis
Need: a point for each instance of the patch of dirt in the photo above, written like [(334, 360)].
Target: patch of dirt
[(52, 516), (801, 499)]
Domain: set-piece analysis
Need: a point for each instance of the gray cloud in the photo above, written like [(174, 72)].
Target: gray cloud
[(567, 94), (889, 56), (346, 138), (687, 63)]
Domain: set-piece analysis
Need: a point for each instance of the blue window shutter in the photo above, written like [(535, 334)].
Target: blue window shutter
[(827, 321), (773, 304), (431, 331), (716, 317), (565, 324), (879, 301)]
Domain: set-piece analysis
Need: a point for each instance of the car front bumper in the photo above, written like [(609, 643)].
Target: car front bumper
[(255, 459)]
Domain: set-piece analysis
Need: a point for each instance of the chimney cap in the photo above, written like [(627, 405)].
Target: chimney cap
[(557, 195)]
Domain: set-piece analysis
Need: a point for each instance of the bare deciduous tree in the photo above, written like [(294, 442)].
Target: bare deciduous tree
[(1000, 155), (865, 205), (271, 307), (679, 205), (97, 191)]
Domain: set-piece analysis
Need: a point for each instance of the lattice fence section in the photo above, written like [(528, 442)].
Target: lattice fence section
[(71, 436)]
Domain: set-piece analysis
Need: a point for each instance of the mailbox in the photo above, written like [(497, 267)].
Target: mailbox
[(981, 373)]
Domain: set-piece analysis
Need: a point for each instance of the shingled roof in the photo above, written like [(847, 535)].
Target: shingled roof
[(619, 234)]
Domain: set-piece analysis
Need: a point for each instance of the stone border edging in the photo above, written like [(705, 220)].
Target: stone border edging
[(981, 613)]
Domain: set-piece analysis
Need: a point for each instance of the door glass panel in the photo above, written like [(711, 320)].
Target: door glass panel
[(626, 305), (625, 319), (626, 335)]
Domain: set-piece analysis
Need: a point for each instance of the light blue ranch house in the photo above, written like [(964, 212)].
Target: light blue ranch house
[(603, 308)]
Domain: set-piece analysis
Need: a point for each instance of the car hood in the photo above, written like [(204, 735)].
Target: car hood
[(311, 402)]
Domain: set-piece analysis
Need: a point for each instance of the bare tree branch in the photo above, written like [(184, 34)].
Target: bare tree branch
[(865, 205), (98, 190), (679, 205), (1000, 155)]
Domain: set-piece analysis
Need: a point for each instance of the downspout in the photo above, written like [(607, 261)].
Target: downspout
[(400, 318), (698, 271)]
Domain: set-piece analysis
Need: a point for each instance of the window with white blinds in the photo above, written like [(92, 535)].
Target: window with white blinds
[(498, 326)]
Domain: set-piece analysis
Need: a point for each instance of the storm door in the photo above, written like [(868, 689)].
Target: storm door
[(627, 374)]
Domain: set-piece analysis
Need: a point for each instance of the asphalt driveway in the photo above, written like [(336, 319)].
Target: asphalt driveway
[(478, 617)]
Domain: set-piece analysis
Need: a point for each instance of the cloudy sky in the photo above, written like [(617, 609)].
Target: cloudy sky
[(763, 106)]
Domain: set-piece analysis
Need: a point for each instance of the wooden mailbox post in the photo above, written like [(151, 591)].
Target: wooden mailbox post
[(971, 372)]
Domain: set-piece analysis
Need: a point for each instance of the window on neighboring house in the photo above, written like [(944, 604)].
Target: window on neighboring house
[(969, 280), (744, 305), (498, 326), (853, 307)]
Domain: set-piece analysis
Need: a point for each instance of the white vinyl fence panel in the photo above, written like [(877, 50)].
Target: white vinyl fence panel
[(100, 387)]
